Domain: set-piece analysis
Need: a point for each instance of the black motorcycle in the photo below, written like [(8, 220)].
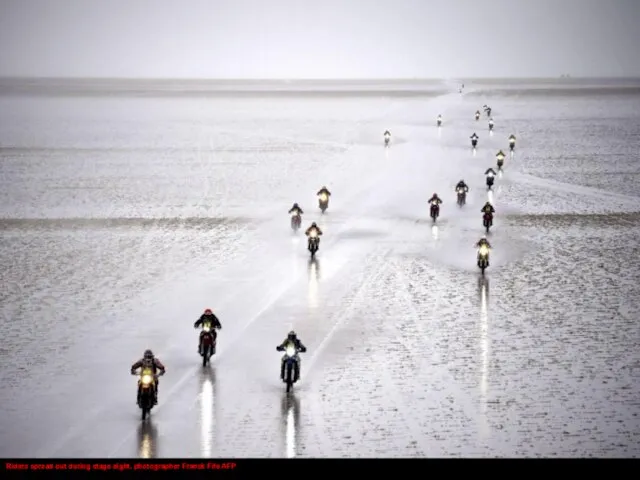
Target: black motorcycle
[(313, 243), (147, 393), (462, 196)]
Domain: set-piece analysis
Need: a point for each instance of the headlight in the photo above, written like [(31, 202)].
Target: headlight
[(323, 197), (313, 234), (147, 379), (206, 328), (290, 351), (484, 250)]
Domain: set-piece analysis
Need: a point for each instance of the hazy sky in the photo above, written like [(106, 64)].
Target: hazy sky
[(319, 39)]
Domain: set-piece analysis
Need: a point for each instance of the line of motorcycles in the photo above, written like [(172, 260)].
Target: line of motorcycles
[(313, 243), (208, 337), (487, 216), (147, 379)]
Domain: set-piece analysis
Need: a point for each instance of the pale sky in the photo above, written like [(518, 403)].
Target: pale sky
[(319, 39)]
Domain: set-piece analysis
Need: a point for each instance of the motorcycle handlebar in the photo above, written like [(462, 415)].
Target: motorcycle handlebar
[(155, 375)]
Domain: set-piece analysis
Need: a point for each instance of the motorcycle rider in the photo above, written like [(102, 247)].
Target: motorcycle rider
[(483, 241), (439, 120), (148, 360), (324, 191), (477, 114), (490, 173), (315, 228), (296, 209), (210, 317), (291, 338), (435, 200), (462, 185), (488, 208), (490, 123), (474, 137)]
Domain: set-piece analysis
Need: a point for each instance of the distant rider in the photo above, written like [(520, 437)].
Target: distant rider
[(462, 185), (324, 191), (435, 200), (312, 228), (207, 317), (296, 209), (149, 361), (488, 208), (291, 338), (483, 241)]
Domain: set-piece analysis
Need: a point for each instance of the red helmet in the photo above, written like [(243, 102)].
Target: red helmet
[(208, 312)]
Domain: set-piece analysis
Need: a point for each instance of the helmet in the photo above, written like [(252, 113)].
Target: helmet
[(295, 204), (461, 181), (435, 194), (208, 312), (314, 225), (483, 238), (291, 335), (148, 354)]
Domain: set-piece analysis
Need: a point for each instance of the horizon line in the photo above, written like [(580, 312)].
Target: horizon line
[(311, 79)]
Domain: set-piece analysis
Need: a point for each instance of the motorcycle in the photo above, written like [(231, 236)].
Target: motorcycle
[(207, 343), (474, 143), (314, 243), (512, 144), (483, 258), (477, 116), (488, 111), (323, 202), (387, 139), (435, 211), (490, 180), (439, 122), (490, 127), (500, 163), (462, 196), (296, 221), (291, 364), (487, 220), (146, 391)]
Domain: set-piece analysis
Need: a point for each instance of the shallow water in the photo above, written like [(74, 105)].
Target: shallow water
[(123, 218)]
